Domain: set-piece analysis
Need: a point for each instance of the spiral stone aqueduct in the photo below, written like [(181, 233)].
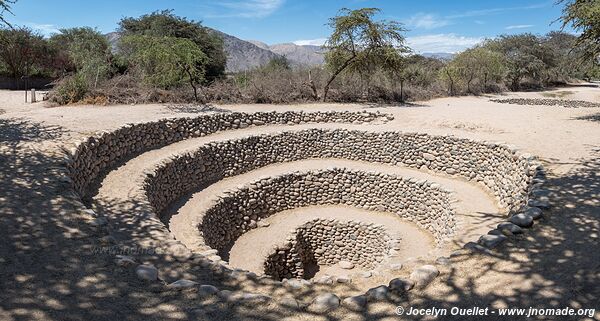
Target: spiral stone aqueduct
[(192, 231)]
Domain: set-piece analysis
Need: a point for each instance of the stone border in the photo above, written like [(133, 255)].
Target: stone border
[(88, 159), (550, 102), (100, 153), (424, 203), (327, 242)]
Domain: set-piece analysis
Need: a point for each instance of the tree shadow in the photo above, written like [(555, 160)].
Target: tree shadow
[(556, 260)]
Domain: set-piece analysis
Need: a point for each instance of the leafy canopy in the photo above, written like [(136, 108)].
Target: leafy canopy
[(584, 16), (360, 43), (86, 49), (166, 24), (165, 62)]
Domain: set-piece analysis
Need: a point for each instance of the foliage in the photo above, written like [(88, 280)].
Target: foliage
[(278, 63), (87, 52), (477, 65), (526, 56), (165, 62), (166, 24), (584, 16), (23, 52), (70, 90), (358, 42)]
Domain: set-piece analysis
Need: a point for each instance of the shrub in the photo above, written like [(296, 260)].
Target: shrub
[(70, 90)]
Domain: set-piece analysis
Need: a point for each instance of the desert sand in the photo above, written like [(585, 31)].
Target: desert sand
[(49, 270)]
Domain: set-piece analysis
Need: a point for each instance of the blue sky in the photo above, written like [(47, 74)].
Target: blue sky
[(434, 26)]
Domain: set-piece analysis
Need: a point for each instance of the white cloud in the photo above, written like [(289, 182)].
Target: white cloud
[(311, 42), (426, 21), (448, 42), (247, 9), (44, 29), (518, 27), (485, 12)]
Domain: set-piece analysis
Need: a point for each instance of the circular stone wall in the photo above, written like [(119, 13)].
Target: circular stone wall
[(327, 242), (241, 210), (513, 178), (98, 154), (498, 168)]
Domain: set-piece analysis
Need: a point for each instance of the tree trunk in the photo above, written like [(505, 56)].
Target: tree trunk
[(334, 75), (401, 90), (312, 86), (192, 84)]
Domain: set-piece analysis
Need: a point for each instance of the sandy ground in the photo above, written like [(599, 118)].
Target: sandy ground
[(49, 271)]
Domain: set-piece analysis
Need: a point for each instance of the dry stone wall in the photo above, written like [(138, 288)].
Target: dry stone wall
[(503, 171), (422, 202), (327, 242), (98, 154)]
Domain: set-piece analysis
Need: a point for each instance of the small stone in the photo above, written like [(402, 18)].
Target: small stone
[(379, 293), (366, 274), (396, 266), (180, 252), (99, 221), (325, 279), (346, 265), (542, 203), (424, 275), (343, 279), (400, 285), (522, 220), (491, 241), (325, 302), (289, 302), (147, 272), (295, 284), (182, 284), (534, 212), (513, 228), (263, 224), (207, 290), (429, 157), (442, 260), (355, 303), (474, 247)]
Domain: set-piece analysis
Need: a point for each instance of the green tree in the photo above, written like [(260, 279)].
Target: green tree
[(87, 50), (166, 24), (23, 52), (358, 41), (166, 62), (450, 74), (278, 63), (401, 70), (479, 65), (584, 16), (526, 56)]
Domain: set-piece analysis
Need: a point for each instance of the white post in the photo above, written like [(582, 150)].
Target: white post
[(33, 95)]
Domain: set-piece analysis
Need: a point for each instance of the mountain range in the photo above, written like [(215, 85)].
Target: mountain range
[(243, 55), (247, 54)]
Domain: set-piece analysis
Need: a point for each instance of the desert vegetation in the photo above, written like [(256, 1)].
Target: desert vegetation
[(161, 57)]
